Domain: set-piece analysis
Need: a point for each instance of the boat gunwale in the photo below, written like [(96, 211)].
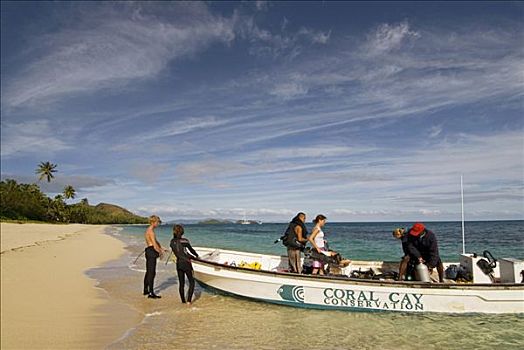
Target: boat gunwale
[(358, 281)]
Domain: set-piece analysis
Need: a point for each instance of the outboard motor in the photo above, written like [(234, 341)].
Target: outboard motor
[(492, 261), (422, 273), (487, 266)]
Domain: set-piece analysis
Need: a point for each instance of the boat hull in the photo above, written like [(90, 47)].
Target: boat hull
[(358, 295)]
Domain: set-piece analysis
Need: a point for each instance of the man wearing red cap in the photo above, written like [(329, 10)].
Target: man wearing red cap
[(423, 247)]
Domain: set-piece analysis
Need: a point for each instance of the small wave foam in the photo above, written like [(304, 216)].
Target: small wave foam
[(116, 230), (135, 268), (156, 313)]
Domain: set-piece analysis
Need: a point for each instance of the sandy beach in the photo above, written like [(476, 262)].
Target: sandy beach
[(47, 300)]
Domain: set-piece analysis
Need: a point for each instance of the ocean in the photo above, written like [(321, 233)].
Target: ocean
[(223, 322)]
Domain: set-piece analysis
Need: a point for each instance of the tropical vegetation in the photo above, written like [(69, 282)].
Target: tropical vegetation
[(26, 202)]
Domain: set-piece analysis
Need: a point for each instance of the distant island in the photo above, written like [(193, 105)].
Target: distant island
[(228, 222), (215, 222)]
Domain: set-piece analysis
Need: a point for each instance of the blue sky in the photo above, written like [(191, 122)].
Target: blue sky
[(360, 111)]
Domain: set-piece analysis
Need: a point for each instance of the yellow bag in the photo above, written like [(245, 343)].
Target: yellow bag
[(254, 265)]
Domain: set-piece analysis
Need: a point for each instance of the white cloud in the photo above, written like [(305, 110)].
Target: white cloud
[(435, 131), (261, 5), (384, 179), (110, 48), (427, 76), (110, 51), (189, 212), (284, 44), (229, 172), (316, 37), (79, 182), (187, 125), (32, 137), (313, 152), (390, 37), (209, 170), (283, 135), (148, 171), (388, 214), (430, 212), (289, 90)]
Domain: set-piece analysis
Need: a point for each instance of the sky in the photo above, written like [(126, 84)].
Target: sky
[(361, 111)]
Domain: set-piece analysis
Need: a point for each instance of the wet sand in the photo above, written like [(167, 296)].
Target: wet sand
[(47, 300)]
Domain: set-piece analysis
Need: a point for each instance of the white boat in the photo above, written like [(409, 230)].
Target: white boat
[(221, 270), (244, 221)]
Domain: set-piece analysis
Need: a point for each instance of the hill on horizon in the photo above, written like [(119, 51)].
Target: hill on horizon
[(116, 214)]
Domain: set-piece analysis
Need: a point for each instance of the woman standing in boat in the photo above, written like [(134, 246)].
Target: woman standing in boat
[(180, 247), (317, 241)]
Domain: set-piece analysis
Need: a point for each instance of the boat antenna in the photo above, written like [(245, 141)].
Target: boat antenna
[(462, 205)]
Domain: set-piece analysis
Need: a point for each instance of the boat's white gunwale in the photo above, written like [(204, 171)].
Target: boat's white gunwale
[(357, 281)]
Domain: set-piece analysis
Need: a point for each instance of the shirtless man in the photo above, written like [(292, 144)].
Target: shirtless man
[(153, 251)]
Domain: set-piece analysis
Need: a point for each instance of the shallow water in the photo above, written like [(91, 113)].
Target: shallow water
[(224, 322), (359, 241)]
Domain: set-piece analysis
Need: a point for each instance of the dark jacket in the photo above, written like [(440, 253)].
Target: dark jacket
[(425, 246), (404, 241), (180, 248), (290, 238)]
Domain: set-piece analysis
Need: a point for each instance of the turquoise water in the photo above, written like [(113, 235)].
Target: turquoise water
[(225, 322), (358, 241)]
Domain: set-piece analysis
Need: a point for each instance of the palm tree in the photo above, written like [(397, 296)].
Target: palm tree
[(57, 210), (46, 169), (69, 192)]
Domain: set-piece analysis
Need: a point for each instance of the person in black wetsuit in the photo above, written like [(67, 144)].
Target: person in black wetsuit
[(184, 253), (153, 251)]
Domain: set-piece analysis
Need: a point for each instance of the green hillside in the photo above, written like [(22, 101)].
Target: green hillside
[(110, 213), (24, 202), (103, 213)]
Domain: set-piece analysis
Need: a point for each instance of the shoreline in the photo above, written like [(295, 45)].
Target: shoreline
[(47, 298)]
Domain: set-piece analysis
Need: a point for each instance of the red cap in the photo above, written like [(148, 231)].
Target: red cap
[(417, 229)]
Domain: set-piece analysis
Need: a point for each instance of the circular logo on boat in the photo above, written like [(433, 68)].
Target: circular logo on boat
[(291, 293)]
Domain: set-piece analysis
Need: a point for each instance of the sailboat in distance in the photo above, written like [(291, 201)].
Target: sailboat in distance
[(244, 221)]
